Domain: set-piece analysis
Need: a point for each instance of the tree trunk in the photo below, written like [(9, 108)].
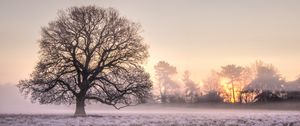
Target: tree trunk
[(240, 98), (80, 110), (233, 93)]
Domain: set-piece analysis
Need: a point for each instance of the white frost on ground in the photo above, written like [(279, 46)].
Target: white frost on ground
[(166, 118)]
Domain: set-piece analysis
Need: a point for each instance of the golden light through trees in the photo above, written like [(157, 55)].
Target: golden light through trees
[(227, 92), (230, 84)]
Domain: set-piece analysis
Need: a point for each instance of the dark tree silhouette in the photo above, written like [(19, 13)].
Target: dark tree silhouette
[(89, 54)]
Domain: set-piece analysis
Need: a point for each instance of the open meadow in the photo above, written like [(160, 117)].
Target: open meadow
[(168, 117)]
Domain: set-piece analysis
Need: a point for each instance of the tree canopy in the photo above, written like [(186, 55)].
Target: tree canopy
[(89, 53)]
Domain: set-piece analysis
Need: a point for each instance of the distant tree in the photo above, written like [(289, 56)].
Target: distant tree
[(192, 89), (211, 87), (267, 79), (293, 85), (268, 96), (211, 83), (233, 73), (89, 54), (246, 77), (167, 86), (266, 83), (211, 97)]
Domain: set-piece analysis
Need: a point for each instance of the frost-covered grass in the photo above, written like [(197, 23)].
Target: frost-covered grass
[(159, 118)]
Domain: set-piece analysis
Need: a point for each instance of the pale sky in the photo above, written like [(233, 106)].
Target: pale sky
[(192, 35)]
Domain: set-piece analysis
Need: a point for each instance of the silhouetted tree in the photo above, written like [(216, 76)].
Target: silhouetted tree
[(167, 86), (268, 96), (233, 73), (293, 85), (192, 89), (211, 87), (292, 89), (246, 77), (211, 83), (211, 97), (267, 79), (89, 54), (266, 83)]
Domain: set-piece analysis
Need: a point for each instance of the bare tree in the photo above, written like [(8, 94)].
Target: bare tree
[(266, 85), (89, 54), (212, 88), (247, 75), (167, 86), (267, 79), (212, 83), (233, 73), (192, 89)]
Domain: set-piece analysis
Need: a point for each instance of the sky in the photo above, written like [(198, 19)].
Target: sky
[(192, 35)]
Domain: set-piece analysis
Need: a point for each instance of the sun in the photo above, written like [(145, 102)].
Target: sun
[(227, 90)]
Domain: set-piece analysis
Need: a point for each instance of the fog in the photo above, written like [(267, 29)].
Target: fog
[(12, 102)]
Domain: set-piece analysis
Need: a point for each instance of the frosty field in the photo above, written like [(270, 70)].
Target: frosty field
[(159, 118)]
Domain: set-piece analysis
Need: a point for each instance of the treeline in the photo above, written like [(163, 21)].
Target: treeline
[(256, 83)]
